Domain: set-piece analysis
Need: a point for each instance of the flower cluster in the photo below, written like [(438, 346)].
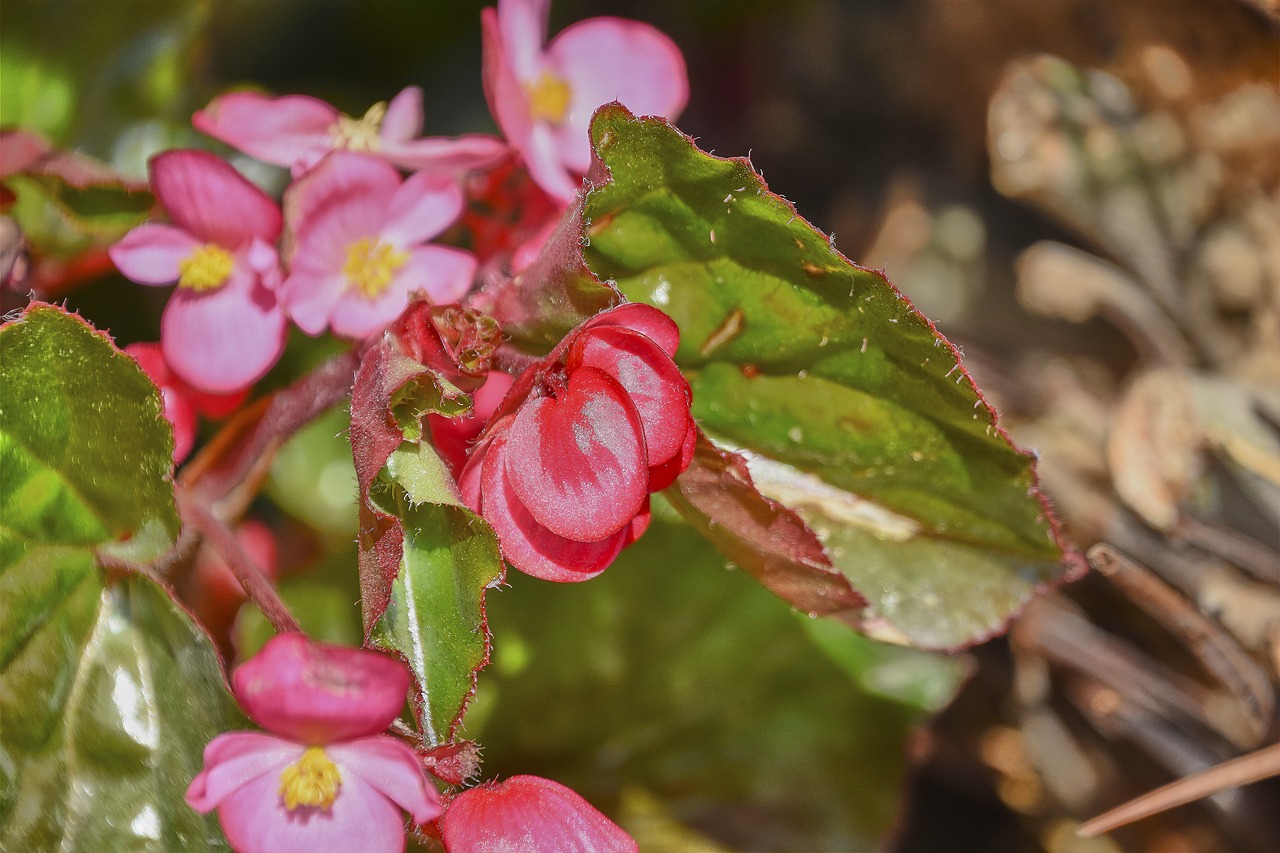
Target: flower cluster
[(565, 467)]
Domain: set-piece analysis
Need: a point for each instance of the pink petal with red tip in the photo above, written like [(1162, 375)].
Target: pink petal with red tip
[(318, 694), (151, 254), (523, 24), (206, 196), (226, 339), (446, 155), (282, 131), (502, 89), (610, 59), (646, 320), (403, 119), (577, 460), (236, 759), (422, 207), (532, 815), (255, 820), (655, 385), (526, 544), (392, 769)]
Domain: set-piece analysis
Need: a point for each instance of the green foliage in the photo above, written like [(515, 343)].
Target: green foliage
[(852, 409), (108, 692), (672, 676)]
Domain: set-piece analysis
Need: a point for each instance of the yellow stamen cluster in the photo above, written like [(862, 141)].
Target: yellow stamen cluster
[(371, 264), (549, 97), (313, 781), (360, 134), (207, 267)]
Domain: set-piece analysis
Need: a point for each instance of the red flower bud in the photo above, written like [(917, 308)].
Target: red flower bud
[(565, 468)]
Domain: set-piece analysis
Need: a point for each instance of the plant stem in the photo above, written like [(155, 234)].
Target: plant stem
[(260, 590)]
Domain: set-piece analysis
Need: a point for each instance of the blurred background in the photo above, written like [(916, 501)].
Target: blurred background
[(1084, 195)]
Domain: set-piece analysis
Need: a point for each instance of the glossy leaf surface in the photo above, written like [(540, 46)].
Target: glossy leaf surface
[(850, 407)]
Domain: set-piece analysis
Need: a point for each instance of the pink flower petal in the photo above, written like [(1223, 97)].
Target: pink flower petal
[(392, 769), (226, 339), (446, 155), (282, 131), (526, 544), (236, 759), (318, 693), (255, 820), (544, 160), (646, 320), (343, 199), (610, 59), (532, 815), (423, 206), (443, 273), (655, 385), (577, 460), (502, 87), (403, 119), (150, 254), (523, 24), (308, 297), (205, 196)]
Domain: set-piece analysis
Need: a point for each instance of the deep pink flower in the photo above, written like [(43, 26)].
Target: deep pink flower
[(222, 329), (564, 470), (359, 244), (543, 96), (182, 403), (326, 779), (532, 815), (297, 131)]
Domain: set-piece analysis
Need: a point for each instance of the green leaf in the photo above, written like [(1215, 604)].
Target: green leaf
[(109, 696), (85, 453), (425, 559), (675, 676), (850, 408), (108, 691)]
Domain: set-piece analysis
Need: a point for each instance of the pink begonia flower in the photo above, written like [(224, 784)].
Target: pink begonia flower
[(325, 779), (359, 244), (532, 815), (564, 470), (222, 329), (296, 131), (543, 97)]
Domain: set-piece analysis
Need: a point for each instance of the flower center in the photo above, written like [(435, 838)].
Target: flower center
[(360, 134), (207, 267), (370, 265), (313, 781), (549, 97)]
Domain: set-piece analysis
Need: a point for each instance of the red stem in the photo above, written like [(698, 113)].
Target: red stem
[(256, 586)]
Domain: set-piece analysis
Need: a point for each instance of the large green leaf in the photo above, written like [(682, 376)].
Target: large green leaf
[(85, 453), (108, 692), (850, 407), (107, 707)]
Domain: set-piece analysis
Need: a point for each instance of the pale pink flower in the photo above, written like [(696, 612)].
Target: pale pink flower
[(326, 779), (543, 95), (359, 245), (296, 131), (532, 815), (222, 328)]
